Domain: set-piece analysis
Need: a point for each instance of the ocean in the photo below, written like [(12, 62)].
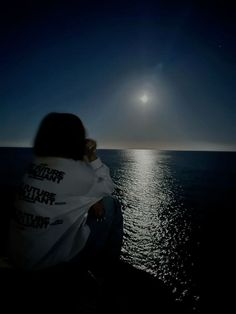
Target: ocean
[(177, 207)]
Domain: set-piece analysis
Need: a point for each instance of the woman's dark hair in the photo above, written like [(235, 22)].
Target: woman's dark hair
[(60, 135)]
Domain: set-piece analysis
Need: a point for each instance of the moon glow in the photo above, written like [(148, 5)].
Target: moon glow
[(144, 98)]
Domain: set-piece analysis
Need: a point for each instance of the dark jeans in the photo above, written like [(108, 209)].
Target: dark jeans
[(102, 250)]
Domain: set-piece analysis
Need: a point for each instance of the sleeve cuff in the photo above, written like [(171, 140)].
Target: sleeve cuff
[(97, 163)]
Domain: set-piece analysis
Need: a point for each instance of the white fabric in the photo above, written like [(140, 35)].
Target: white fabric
[(51, 210)]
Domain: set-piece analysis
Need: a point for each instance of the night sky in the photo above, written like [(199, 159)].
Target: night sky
[(140, 74)]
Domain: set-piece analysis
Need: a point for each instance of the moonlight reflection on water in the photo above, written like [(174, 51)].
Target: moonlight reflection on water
[(154, 217)]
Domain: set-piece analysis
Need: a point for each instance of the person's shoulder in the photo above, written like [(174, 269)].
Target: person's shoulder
[(67, 165), (77, 174), (81, 168)]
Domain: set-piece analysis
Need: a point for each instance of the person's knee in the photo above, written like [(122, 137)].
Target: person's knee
[(109, 205), (117, 217), (112, 206), (108, 201)]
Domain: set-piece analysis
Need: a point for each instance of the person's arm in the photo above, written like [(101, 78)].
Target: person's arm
[(90, 150), (103, 184)]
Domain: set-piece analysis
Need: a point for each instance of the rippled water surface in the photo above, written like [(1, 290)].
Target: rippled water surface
[(166, 196), (154, 214)]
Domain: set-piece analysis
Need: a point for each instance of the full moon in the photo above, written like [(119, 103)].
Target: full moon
[(144, 98)]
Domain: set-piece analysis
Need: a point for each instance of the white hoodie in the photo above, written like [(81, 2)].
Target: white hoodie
[(49, 226)]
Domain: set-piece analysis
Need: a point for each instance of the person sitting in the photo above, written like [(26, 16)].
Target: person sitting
[(64, 210)]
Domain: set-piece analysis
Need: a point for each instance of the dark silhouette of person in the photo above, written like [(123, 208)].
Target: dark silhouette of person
[(64, 210)]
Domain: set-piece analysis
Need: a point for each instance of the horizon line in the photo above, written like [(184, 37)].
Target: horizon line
[(150, 148)]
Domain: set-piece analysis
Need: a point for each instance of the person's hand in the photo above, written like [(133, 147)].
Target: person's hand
[(90, 151), (97, 210)]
